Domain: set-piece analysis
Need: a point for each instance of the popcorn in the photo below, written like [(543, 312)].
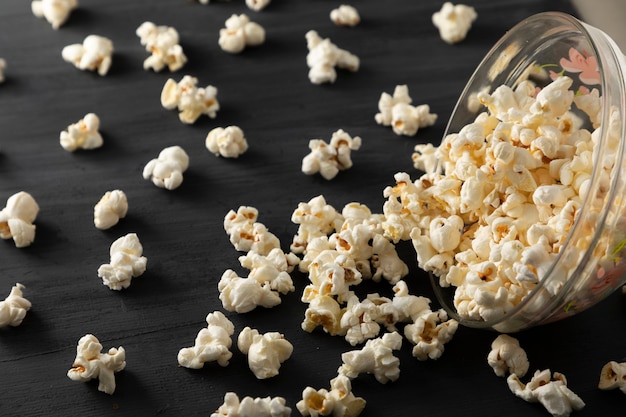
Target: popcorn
[(248, 406), (55, 12), (125, 264), (83, 134), (613, 375), (272, 269), (239, 33), (330, 158), (375, 358), (324, 56), (94, 54), (246, 234), (314, 218), (212, 343), (257, 5), (16, 219), (345, 15), (111, 207), (14, 307), (324, 311), (339, 401), (166, 171), (191, 101), (162, 43), (359, 320), (507, 356), (90, 363), (243, 294), (553, 394), (228, 142), (3, 66), (266, 352), (429, 332), (396, 111), (454, 21)]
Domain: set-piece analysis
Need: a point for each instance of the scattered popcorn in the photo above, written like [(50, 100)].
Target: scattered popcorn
[(90, 363), (613, 375), (211, 345), (314, 218), (266, 352), (94, 54), (375, 358), (166, 171), (396, 111), (339, 401), (454, 21), (429, 332), (507, 356), (246, 234), (83, 134), (13, 309), (191, 101), (162, 43), (248, 407), (257, 5), (330, 158), (243, 294), (228, 142), (324, 56), (345, 15), (273, 269), (16, 219), (55, 12), (126, 262), (239, 33), (3, 66), (112, 207), (554, 394)]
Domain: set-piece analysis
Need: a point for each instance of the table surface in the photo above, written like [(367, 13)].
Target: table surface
[(265, 91)]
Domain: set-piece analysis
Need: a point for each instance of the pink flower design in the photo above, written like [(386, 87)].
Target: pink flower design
[(584, 64)]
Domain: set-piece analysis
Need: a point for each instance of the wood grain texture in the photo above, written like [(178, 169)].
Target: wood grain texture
[(266, 92)]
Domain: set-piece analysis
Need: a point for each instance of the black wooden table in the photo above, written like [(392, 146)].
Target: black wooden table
[(265, 91)]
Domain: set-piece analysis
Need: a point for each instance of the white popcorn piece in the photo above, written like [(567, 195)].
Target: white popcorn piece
[(506, 356), (111, 207), (14, 307), (94, 54), (272, 269), (345, 15), (228, 142), (257, 5), (266, 352), (359, 320), (613, 375), (339, 401), (314, 218), (375, 358), (330, 158), (324, 56), (16, 219), (324, 311), (83, 134), (212, 343), (429, 332), (396, 111), (163, 44), (248, 406), (239, 33), (190, 100), (244, 294), (553, 394), (166, 171), (3, 67), (56, 12), (91, 363), (126, 262), (246, 234), (454, 21)]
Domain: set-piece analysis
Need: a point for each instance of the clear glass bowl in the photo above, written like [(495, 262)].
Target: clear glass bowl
[(594, 255)]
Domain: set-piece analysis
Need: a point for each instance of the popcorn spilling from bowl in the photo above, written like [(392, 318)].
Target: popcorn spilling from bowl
[(324, 56), (163, 44), (14, 307), (94, 54), (56, 12), (91, 363)]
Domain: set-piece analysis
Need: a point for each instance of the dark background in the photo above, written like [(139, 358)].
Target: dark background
[(265, 91)]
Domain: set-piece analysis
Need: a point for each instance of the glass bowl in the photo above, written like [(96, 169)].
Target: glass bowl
[(591, 263)]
